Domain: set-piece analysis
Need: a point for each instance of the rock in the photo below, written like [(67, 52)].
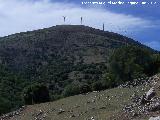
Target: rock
[(154, 107), (40, 112), (102, 107), (142, 100), (45, 115), (93, 100), (135, 114), (154, 118), (150, 94), (61, 111), (128, 108), (92, 118), (135, 98), (76, 106), (72, 116)]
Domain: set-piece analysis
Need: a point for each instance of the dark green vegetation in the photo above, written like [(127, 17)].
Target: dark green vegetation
[(68, 60), (37, 93), (130, 62), (11, 86)]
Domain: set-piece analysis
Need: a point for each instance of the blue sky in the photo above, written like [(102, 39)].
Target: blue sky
[(141, 22)]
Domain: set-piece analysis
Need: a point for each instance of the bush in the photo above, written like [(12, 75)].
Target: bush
[(70, 90), (5, 105), (155, 65), (97, 86), (84, 88), (128, 61), (36, 93), (10, 90), (108, 81), (75, 89)]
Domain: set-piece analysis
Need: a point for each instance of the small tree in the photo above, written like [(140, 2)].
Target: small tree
[(71, 90), (36, 93), (84, 88), (5, 105), (154, 67), (128, 61), (97, 86), (108, 81)]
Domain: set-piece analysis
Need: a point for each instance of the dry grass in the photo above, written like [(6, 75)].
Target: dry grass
[(100, 105)]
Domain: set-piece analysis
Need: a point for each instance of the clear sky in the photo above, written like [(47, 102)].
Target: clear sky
[(141, 22)]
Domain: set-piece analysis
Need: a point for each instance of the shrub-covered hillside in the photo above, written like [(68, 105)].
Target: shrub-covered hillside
[(66, 60)]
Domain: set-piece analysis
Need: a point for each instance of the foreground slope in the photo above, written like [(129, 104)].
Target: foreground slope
[(104, 105), (99, 105)]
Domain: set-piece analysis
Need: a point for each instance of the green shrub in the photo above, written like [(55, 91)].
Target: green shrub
[(74, 89), (97, 86), (108, 81), (5, 105), (84, 88), (36, 93), (70, 90), (128, 61), (155, 65)]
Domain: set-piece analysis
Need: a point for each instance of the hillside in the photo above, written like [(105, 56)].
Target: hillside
[(111, 104), (74, 47), (66, 60), (75, 43)]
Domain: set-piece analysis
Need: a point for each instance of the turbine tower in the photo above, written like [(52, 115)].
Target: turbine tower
[(64, 18), (81, 20), (103, 26)]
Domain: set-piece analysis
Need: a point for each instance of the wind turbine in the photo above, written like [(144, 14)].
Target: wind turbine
[(64, 18), (103, 26), (81, 20)]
